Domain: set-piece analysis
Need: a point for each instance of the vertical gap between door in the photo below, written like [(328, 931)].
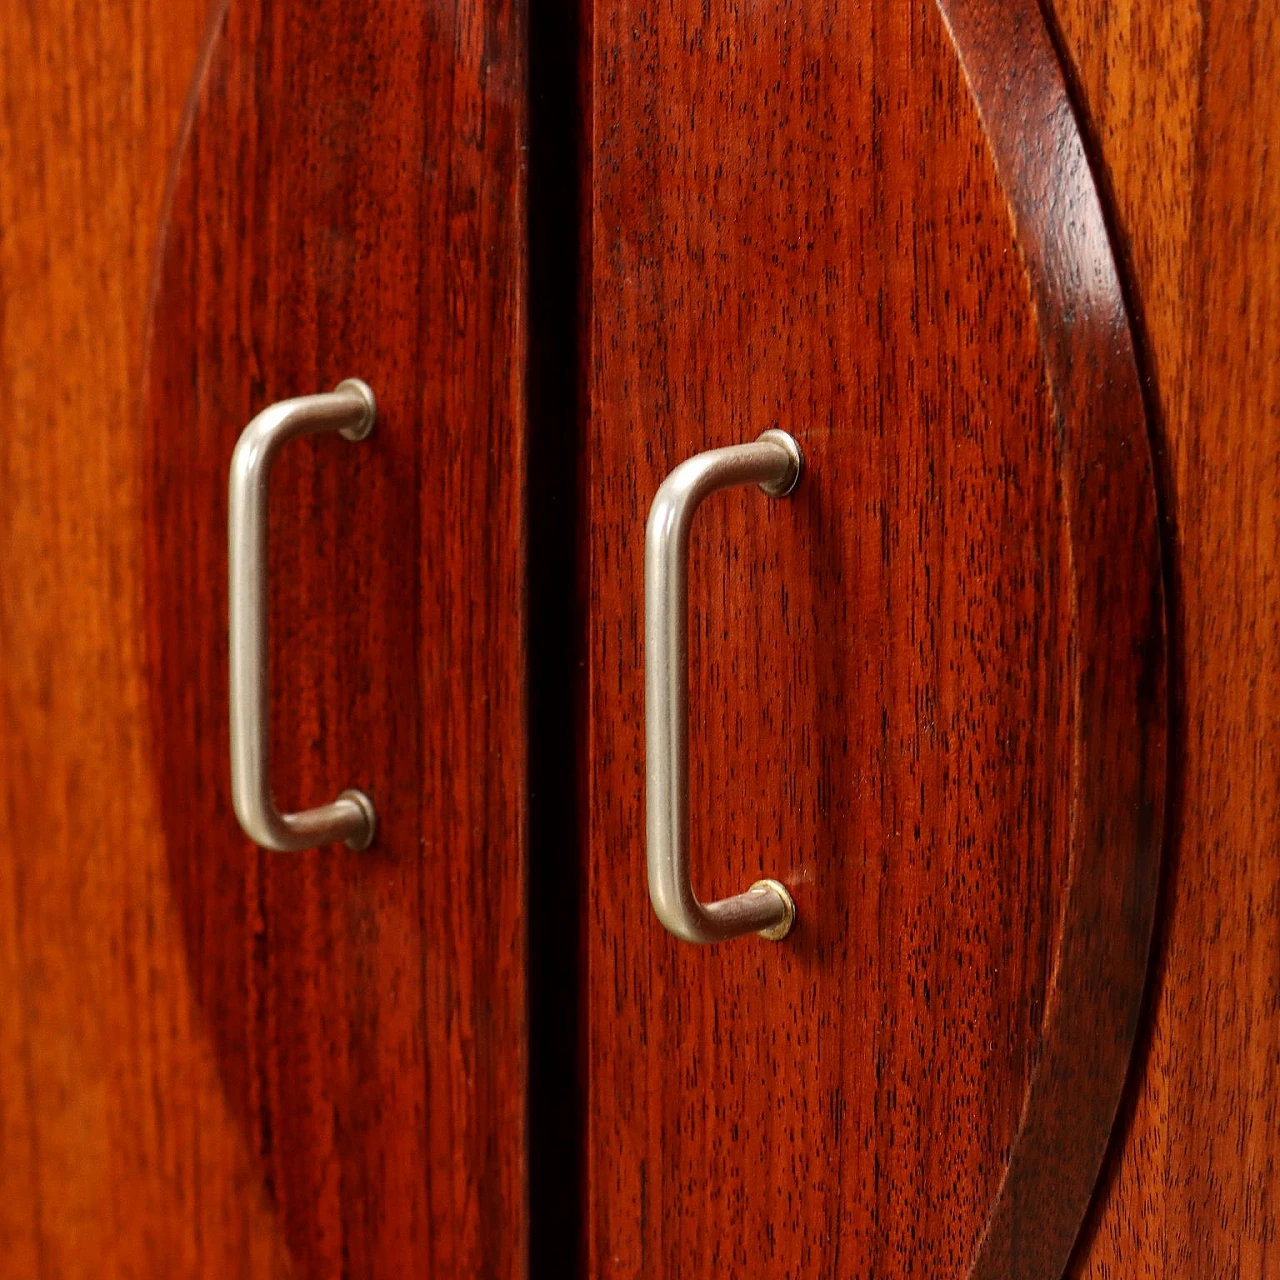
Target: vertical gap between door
[(556, 1116)]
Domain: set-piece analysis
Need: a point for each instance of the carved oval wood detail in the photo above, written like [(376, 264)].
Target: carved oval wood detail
[(348, 203), (931, 689), (1119, 675)]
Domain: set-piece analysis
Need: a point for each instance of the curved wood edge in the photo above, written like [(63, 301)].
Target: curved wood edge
[(371, 1052), (1119, 688), (210, 43)]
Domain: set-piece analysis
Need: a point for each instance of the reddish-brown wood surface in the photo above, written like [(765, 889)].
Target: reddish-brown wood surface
[(348, 204), (1184, 105), (927, 691), (135, 1105), (119, 1156), (1119, 642)]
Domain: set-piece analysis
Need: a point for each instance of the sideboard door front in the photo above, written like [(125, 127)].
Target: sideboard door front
[(925, 690), (348, 204)]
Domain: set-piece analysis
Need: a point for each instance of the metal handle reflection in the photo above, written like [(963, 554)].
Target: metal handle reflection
[(351, 410), (774, 463)]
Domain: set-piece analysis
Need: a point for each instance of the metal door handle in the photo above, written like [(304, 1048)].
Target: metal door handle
[(349, 408), (774, 463)]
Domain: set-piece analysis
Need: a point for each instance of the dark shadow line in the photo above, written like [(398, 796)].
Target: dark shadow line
[(554, 614)]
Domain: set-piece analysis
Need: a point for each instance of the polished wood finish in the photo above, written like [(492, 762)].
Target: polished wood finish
[(194, 1068), (928, 690), (1184, 107), (1119, 642), (119, 1156), (349, 204)]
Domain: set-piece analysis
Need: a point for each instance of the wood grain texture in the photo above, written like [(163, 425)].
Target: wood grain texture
[(119, 1156), (1120, 695), (1184, 105), (928, 690), (349, 203)]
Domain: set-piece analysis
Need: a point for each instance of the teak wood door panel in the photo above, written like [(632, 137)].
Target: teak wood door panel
[(927, 690), (348, 204), (871, 225)]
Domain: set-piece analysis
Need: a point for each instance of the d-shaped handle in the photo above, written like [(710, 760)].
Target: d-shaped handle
[(774, 463), (350, 409)]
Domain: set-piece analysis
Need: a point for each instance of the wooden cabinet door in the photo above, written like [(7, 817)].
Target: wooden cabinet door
[(348, 204), (927, 690)]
